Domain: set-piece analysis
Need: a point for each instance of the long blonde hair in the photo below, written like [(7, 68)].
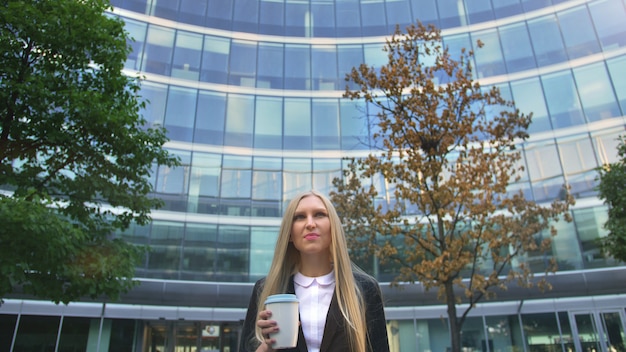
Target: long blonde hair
[(286, 262)]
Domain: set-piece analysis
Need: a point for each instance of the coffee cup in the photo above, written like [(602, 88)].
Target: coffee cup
[(284, 309)]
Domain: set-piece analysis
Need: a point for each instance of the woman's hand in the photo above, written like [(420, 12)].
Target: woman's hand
[(267, 327)]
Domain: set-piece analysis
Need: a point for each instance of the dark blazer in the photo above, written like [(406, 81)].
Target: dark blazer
[(335, 338)]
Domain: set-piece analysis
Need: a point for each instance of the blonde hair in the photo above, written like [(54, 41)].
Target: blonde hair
[(286, 263)]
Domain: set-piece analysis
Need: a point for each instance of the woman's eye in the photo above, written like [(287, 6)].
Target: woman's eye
[(298, 217), (320, 215)]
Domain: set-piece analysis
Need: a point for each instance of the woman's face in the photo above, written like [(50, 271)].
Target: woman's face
[(310, 231)]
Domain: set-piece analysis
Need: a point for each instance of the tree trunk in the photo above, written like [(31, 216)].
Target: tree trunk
[(455, 329)]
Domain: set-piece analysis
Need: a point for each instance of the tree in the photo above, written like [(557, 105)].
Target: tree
[(612, 189), (446, 150), (75, 153)]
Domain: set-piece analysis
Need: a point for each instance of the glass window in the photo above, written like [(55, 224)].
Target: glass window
[(233, 253), (180, 113), (36, 333), (204, 183), (155, 96), (266, 185), (158, 53), (324, 171), (348, 18), (297, 67), (617, 70), (579, 155), (323, 18), (425, 11), (239, 120), (473, 335), (297, 19), (544, 168), (74, 333), (348, 56), (504, 332), (210, 118), (518, 52), (137, 32), (451, 13), (215, 60), (199, 251), (165, 243), (270, 66), (608, 18), (596, 95), (506, 8), (565, 247), (245, 15), (165, 9), (456, 43), (590, 228), (262, 243), (541, 332), (193, 11), (296, 178), (375, 56), (580, 38), (528, 97), (242, 63), (479, 11), (220, 13), (398, 13), (297, 124), (562, 98), (530, 5), (547, 41), (354, 132), (373, 17), (174, 180), (7, 328), (271, 17), (205, 175), (324, 67), (489, 61), (268, 123), (187, 55), (606, 145), (325, 124), (236, 176)]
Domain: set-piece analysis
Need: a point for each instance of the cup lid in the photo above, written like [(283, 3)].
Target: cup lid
[(283, 297)]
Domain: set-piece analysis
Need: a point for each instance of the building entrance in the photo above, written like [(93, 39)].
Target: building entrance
[(188, 336), (599, 331)]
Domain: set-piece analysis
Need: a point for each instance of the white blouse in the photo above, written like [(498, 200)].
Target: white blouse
[(314, 294)]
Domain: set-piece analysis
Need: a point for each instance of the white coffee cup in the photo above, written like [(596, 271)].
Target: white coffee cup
[(284, 309)]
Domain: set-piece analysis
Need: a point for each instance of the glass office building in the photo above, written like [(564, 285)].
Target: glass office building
[(251, 94)]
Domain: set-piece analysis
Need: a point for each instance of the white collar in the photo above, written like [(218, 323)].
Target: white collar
[(306, 281)]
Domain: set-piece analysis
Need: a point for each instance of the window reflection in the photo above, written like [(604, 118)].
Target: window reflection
[(479, 10), (242, 69), (186, 62), (325, 118), (297, 124), (180, 113), (137, 32), (268, 123), (398, 13), (608, 19), (324, 67), (199, 251), (271, 17), (580, 38), (270, 66), (596, 95), (373, 17), (158, 53), (518, 53), (489, 61), (617, 70), (541, 332), (546, 38), (232, 253), (262, 242), (239, 120), (323, 18), (562, 98), (210, 116), (36, 333), (348, 18), (215, 60)]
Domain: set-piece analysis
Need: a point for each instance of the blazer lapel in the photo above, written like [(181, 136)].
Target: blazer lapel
[(334, 328)]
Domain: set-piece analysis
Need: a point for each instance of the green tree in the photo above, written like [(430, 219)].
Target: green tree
[(75, 152), (445, 152), (612, 189)]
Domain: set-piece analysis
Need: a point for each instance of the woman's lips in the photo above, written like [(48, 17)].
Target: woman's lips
[(311, 236)]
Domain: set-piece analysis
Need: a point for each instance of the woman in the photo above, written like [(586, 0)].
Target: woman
[(341, 307)]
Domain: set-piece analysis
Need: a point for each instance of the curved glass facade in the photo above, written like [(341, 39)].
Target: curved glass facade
[(250, 92)]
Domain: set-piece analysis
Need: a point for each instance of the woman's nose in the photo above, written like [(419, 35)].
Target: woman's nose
[(310, 222)]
